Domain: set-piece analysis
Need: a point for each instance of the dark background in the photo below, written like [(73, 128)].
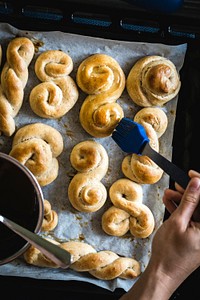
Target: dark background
[(123, 21)]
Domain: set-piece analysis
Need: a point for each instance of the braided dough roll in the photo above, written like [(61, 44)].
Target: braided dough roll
[(86, 192), (128, 212), (14, 76), (141, 168), (153, 81), (37, 146), (102, 78), (105, 264), (58, 92)]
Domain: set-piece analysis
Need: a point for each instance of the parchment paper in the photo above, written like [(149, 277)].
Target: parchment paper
[(74, 225)]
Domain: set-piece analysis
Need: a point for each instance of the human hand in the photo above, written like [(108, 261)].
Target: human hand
[(175, 247), (176, 244), (173, 201)]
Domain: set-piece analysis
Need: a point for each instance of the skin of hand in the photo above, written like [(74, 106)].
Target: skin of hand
[(175, 247)]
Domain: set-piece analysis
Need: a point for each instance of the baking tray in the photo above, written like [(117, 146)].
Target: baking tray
[(126, 22)]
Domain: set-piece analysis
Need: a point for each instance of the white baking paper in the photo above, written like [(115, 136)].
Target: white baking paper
[(74, 225)]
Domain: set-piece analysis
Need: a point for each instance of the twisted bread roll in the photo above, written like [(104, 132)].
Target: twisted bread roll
[(37, 146), (85, 191), (153, 81), (128, 212), (105, 264), (102, 78), (58, 92), (141, 168), (14, 77), (50, 220)]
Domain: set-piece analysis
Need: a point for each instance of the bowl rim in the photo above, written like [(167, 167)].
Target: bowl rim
[(40, 197)]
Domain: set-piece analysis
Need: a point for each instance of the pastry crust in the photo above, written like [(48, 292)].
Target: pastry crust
[(58, 92), (128, 212), (14, 76), (50, 220), (141, 168), (153, 81), (101, 77), (105, 264), (37, 146), (86, 192)]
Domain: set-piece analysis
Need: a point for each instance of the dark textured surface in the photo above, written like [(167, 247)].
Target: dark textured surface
[(104, 19)]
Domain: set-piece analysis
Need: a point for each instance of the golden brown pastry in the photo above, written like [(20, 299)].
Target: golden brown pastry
[(128, 212), (14, 76), (141, 168), (101, 77), (85, 191), (153, 81), (37, 146), (105, 264), (58, 92), (50, 220)]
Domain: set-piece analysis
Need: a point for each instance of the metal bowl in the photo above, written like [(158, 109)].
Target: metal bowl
[(21, 200)]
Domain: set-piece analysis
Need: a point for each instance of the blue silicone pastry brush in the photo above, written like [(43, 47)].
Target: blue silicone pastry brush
[(131, 138)]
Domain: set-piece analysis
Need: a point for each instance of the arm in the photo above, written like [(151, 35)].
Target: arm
[(175, 247)]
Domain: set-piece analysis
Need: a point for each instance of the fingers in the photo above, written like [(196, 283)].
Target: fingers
[(190, 200), (171, 200), (193, 173), (179, 188)]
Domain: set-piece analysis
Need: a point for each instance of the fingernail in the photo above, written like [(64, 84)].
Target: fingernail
[(194, 184)]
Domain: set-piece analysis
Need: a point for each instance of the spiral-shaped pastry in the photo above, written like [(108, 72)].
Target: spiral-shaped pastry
[(14, 76), (153, 81), (37, 146), (102, 78), (128, 212), (141, 168), (58, 92), (105, 264), (50, 220), (85, 191)]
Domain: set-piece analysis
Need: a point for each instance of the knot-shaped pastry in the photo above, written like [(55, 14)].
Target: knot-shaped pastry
[(14, 76), (105, 264), (37, 146), (140, 168), (57, 93), (102, 78), (85, 191), (128, 212), (50, 220), (153, 81)]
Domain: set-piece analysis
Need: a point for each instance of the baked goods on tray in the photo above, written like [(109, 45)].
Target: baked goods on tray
[(105, 265), (128, 212), (101, 77), (50, 220), (14, 77), (85, 191), (153, 81), (37, 146), (57, 93), (140, 168)]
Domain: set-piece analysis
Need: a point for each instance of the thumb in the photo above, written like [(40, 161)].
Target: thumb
[(190, 199)]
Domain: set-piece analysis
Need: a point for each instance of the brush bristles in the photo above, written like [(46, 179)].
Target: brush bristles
[(130, 136)]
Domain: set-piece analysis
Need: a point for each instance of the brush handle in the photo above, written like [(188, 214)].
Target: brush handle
[(177, 174), (59, 256)]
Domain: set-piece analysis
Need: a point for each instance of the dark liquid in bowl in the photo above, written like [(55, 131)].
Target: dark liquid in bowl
[(18, 202)]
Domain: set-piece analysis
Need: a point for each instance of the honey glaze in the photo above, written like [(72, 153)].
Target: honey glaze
[(18, 202)]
